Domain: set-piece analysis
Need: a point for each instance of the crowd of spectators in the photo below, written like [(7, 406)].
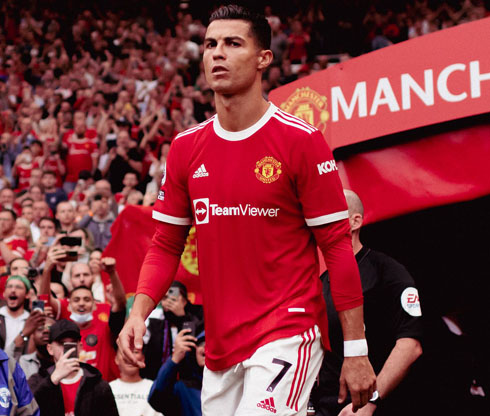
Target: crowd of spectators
[(91, 97)]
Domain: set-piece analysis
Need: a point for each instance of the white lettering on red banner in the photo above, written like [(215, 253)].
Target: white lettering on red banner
[(385, 95)]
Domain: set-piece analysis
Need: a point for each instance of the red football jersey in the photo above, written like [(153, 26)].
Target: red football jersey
[(253, 195), (79, 156), (97, 343)]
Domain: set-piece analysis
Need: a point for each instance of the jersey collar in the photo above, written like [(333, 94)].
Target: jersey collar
[(244, 134)]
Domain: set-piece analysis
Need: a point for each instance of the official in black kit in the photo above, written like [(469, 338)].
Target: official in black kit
[(392, 317)]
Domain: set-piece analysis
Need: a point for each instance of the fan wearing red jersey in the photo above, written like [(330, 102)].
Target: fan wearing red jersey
[(262, 188)]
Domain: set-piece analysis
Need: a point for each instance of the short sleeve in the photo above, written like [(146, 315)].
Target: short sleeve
[(173, 205), (318, 184)]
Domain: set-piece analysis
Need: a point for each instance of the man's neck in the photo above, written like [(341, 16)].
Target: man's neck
[(130, 378), (356, 242), (67, 227), (15, 313), (50, 190), (240, 111)]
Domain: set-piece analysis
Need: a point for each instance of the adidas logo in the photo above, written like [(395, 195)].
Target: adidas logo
[(268, 404), (201, 172)]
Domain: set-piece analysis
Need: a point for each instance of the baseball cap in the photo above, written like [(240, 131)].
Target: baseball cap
[(64, 329)]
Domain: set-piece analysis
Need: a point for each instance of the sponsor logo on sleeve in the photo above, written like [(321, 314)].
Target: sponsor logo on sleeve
[(326, 167), (161, 195), (410, 301)]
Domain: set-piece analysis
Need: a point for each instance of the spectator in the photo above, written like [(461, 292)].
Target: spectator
[(100, 222), (47, 233), (130, 183), (131, 391), (7, 198), (65, 214), (123, 158), (164, 324), (11, 246), (21, 171), (71, 387), (177, 388), (17, 398), (99, 323), (17, 324), (82, 151), (52, 194), (38, 361), (40, 210)]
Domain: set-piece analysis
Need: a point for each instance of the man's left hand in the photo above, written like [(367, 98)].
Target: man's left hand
[(358, 376)]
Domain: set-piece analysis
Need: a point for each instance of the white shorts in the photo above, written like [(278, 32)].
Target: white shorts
[(276, 380)]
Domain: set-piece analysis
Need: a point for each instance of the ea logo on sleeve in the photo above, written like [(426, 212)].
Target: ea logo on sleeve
[(4, 397), (410, 301)]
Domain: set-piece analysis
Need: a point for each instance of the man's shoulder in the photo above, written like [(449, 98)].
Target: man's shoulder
[(195, 131), (288, 126)]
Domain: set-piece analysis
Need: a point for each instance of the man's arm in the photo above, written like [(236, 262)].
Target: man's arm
[(357, 374), (108, 265), (7, 254), (402, 356), (156, 275)]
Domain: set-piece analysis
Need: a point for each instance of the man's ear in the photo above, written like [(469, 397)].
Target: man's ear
[(264, 59), (49, 348), (356, 221)]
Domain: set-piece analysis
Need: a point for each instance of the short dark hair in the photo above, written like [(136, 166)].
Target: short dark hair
[(79, 288), (258, 23), (48, 219), (48, 172), (11, 211)]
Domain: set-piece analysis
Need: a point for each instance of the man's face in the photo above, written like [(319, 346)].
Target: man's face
[(94, 261), (41, 334), (48, 181), (103, 187), (28, 213), (35, 178), (41, 209), (125, 367), (55, 348), (81, 275), (19, 267), (7, 198), (15, 294), (36, 194), (101, 207), (231, 56), (7, 223), (82, 301), (130, 180), (47, 228), (65, 213)]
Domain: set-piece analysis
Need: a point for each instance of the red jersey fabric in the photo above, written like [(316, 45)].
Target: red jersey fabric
[(69, 390), (79, 155), (253, 195), (97, 349), (23, 175), (17, 245)]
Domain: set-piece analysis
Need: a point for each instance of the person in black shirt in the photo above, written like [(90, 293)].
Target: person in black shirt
[(393, 330)]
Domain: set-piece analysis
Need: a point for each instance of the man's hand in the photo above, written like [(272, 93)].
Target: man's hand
[(108, 264), (55, 255), (64, 367), (174, 305), (33, 321), (183, 344), (131, 339), (367, 410), (358, 376)]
